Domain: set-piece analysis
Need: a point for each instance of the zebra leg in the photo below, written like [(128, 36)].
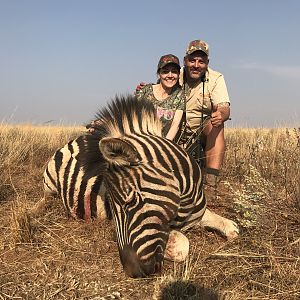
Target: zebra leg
[(177, 248), (226, 227)]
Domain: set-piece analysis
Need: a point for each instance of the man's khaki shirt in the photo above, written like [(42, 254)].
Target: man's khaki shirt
[(198, 106)]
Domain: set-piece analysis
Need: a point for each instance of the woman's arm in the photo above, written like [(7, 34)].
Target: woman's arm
[(175, 124)]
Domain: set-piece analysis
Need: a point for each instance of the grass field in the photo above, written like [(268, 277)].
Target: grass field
[(52, 257)]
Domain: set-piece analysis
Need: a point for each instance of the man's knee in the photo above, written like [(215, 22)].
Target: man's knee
[(215, 137)]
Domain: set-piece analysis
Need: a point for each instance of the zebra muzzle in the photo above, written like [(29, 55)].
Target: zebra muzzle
[(135, 267)]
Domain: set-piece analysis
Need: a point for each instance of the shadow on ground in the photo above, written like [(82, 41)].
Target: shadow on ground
[(186, 290)]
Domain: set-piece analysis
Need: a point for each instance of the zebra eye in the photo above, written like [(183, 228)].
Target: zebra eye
[(131, 200), (129, 195)]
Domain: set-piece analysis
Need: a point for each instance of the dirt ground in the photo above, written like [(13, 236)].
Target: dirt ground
[(52, 257)]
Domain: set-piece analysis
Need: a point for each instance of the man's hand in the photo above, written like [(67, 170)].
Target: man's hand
[(93, 126), (220, 114), (139, 86), (216, 119)]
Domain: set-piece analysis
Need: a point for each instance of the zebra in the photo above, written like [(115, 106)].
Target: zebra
[(126, 171)]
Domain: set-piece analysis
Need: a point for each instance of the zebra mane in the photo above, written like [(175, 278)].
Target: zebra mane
[(126, 115)]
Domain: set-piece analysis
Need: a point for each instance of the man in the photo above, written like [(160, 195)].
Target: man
[(207, 108)]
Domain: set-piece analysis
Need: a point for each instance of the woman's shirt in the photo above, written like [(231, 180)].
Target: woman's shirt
[(165, 108)]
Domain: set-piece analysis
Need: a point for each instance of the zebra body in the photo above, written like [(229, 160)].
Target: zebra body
[(82, 192), (129, 172)]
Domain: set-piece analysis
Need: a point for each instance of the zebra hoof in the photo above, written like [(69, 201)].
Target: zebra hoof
[(177, 248), (232, 231)]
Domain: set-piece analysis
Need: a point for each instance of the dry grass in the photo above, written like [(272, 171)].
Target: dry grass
[(51, 257)]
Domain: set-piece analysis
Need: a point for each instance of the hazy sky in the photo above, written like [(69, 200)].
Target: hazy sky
[(62, 60)]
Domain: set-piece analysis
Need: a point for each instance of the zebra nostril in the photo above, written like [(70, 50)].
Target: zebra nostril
[(158, 267)]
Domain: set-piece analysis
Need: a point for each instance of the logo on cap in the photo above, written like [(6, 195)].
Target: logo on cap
[(197, 45)]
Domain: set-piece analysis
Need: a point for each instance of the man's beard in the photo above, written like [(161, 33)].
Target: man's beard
[(195, 80)]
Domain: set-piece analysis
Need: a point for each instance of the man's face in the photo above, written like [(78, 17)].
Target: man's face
[(196, 65)]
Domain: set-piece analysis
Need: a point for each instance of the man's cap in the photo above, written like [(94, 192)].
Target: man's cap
[(168, 59), (197, 45)]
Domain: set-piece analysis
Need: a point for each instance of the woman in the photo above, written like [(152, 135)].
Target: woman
[(167, 95)]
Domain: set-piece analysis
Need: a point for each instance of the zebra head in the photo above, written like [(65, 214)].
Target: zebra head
[(141, 184), (144, 198)]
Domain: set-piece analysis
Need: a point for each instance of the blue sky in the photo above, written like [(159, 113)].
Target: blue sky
[(62, 60)]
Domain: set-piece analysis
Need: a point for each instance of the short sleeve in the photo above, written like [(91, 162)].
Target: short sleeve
[(179, 99), (140, 94), (219, 93), (145, 93)]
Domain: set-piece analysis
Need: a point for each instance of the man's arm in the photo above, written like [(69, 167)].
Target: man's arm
[(221, 102)]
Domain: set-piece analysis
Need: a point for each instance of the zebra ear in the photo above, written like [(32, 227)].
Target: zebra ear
[(119, 152)]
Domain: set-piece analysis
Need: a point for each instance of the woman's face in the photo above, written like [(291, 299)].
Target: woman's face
[(168, 75)]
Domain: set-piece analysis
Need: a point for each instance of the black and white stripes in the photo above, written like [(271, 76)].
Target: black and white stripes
[(127, 170), (82, 192)]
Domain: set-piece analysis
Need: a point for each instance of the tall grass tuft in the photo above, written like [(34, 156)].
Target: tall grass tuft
[(260, 164), (30, 146), (21, 223)]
